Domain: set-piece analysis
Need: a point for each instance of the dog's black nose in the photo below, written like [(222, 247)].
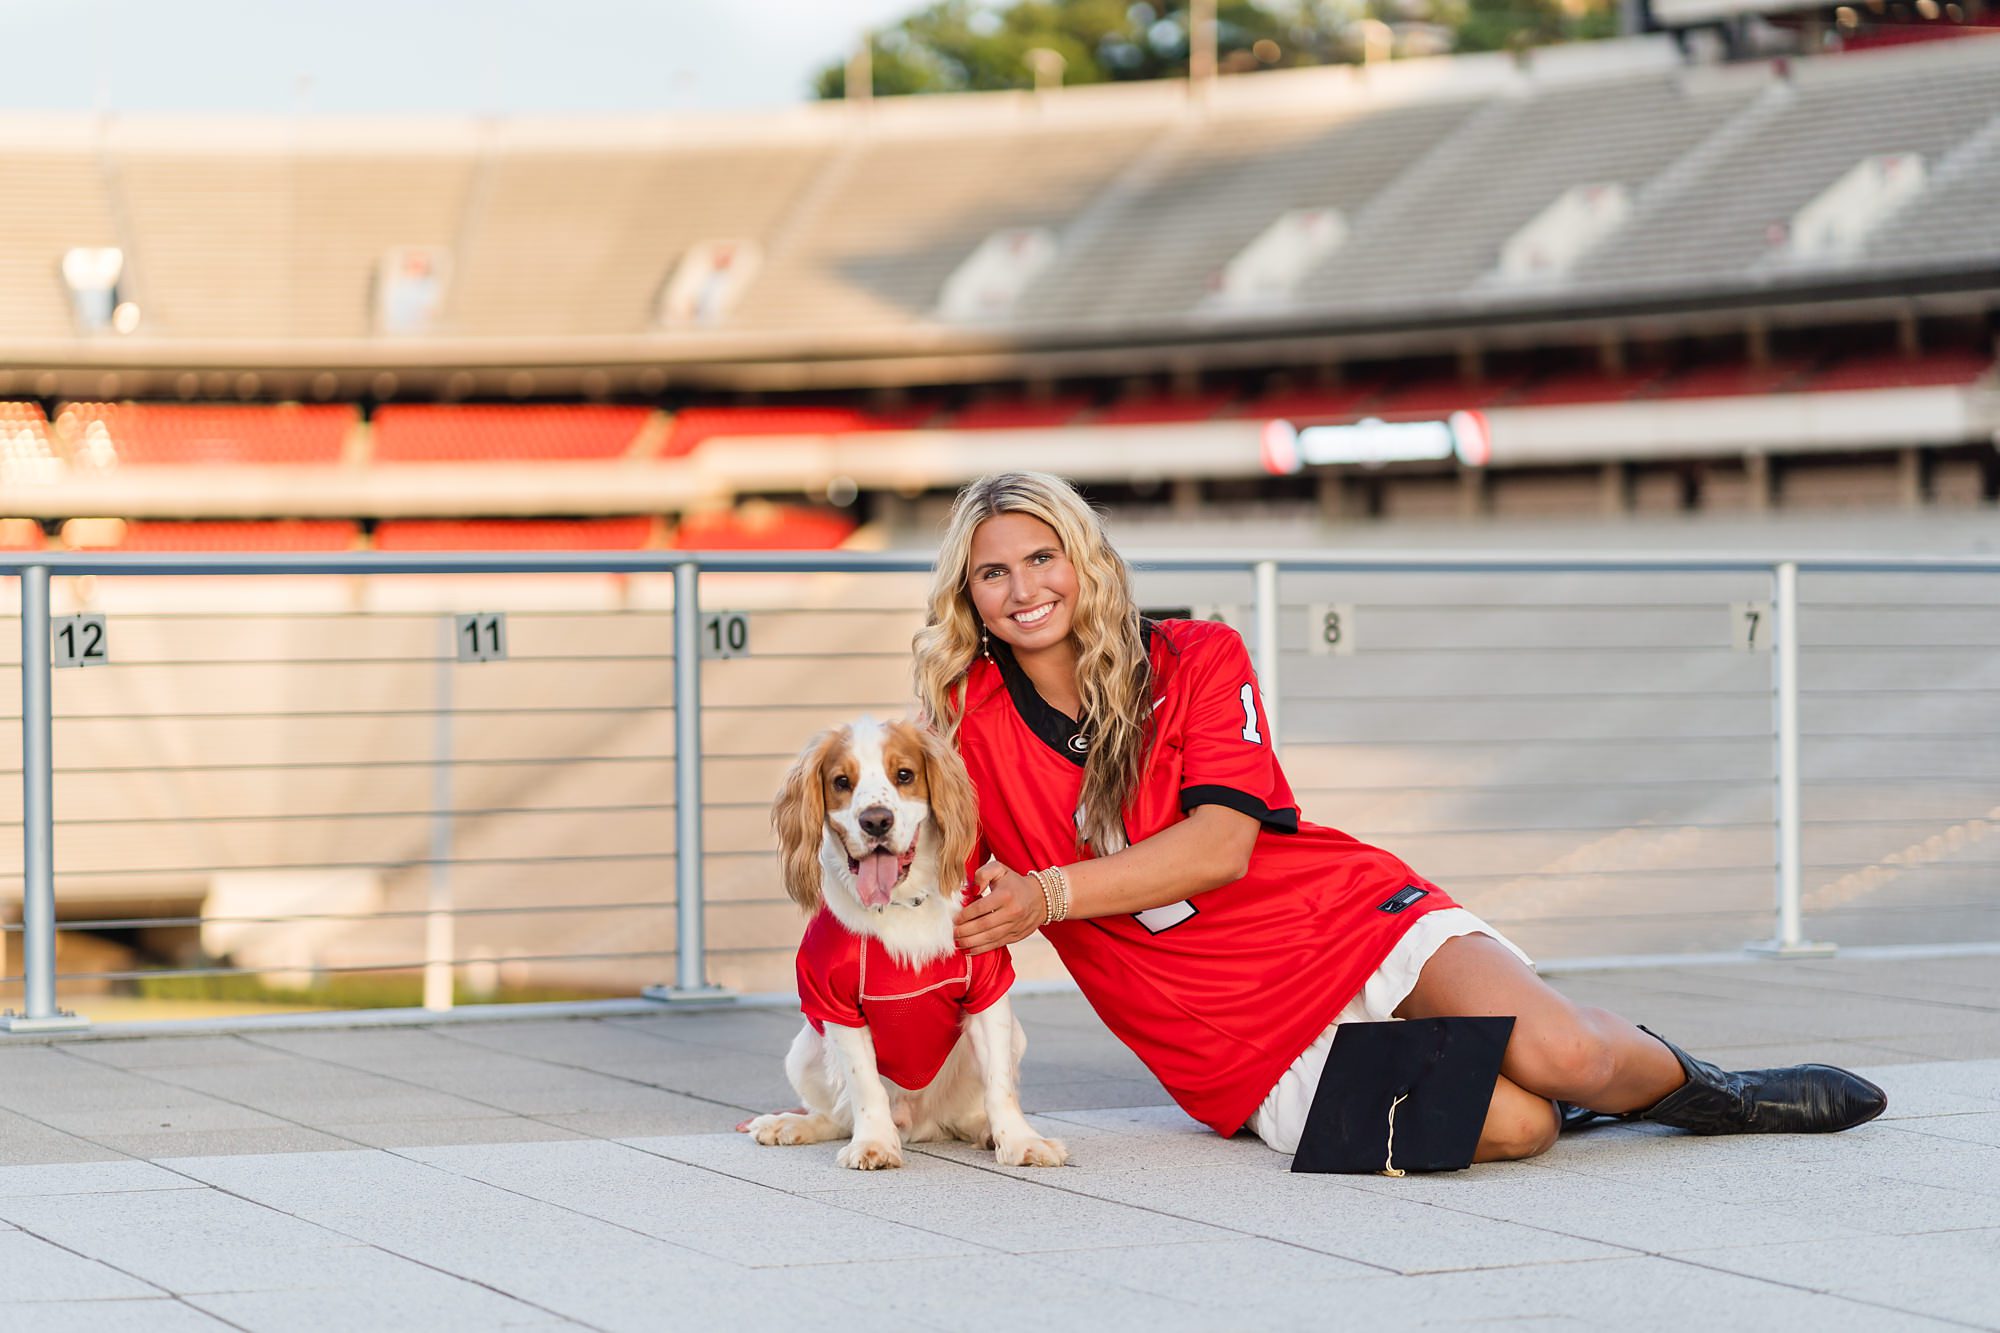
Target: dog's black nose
[(876, 821)]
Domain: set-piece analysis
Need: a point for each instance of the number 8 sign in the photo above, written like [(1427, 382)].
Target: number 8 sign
[(1330, 629)]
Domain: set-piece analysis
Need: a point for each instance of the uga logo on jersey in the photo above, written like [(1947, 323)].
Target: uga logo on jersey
[(1079, 743), (1406, 895)]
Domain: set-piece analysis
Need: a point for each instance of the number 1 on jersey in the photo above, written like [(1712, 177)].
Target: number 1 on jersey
[(1250, 732)]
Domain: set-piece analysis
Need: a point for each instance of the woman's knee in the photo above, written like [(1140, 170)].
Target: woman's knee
[(1518, 1125), (1571, 1059)]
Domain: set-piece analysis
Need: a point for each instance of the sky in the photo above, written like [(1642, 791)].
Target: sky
[(487, 57)]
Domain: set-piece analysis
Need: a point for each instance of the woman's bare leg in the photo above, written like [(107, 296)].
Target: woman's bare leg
[(1518, 1124), (1559, 1050)]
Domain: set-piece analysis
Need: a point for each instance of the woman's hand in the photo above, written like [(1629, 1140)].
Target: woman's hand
[(1010, 909)]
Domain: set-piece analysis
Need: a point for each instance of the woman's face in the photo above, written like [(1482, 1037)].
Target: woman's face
[(1022, 584)]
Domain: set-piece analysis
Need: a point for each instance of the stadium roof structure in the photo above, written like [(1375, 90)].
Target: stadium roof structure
[(1469, 201)]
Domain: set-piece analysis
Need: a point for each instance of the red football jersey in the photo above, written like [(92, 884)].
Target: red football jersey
[(1220, 993), (914, 1013)]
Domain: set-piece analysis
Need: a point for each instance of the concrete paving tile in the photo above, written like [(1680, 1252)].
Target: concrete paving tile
[(182, 1240), (279, 1137), (1967, 1044), (1631, 1214), (33, 1269), (1952, 1276), (1328, 1214), (24, 1141), (1210, 1272), (310, 1091), (183, 1113), (578, 1267), (803, 1168), (368, 1289), (158, 1314), (700, 1118), (168, 1052), (436, 1133), (1015, 1294), (1091, 1095), (1018, 1216), (1974, 1127), (88, 1178), (1642, 1293), (717, 1215)]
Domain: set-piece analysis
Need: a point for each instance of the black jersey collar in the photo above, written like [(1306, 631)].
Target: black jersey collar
[(1067, 736)]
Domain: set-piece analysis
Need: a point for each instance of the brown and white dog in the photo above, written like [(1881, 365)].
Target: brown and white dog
[(876, 821)]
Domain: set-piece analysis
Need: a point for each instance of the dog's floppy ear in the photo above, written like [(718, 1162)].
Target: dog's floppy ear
[(954, 806), (798, 817)]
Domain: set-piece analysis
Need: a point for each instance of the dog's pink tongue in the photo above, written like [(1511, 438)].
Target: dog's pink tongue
[(877, 878)]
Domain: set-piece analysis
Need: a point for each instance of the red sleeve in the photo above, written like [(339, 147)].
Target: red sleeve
[(992, 975), (1226, 747), (829, 976)]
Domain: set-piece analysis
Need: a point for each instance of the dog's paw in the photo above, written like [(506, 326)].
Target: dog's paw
[(784, 1129), (869, 1155), (1031, 1152)]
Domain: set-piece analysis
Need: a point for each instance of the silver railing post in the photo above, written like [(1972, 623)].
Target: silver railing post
[(1789, 941), (1266, 646), (690, 952), (440, 926), (38, 832)]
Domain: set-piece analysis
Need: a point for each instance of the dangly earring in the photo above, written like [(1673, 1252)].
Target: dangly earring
[(985, 644)]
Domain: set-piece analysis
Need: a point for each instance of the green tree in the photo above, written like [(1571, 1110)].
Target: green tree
[(980, 45), (983, 45)]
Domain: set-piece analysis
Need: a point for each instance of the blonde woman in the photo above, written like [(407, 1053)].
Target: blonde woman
[(1136, 816)]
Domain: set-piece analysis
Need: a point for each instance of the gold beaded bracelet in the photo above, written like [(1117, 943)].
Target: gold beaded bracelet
[(1061, 912), (1048, 900)]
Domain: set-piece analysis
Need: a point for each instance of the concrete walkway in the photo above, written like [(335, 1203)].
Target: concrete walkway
[(566, 1174)]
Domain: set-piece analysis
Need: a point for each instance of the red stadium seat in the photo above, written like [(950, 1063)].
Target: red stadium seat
[(1895, 371), (514, 534), (223, 535), (1151, 409), (21, 534), (1018, 414), (1312, 404), (504, 433), (1441, 397), (1583, 386), (149, 433), (763, 528), (696, 424), (1732, 379)]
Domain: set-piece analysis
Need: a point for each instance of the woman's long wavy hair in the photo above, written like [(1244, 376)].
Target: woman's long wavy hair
[(1111, 669)]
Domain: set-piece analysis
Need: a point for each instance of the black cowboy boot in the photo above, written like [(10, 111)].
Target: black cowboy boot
[(1571, 1116), (1803, 1099)]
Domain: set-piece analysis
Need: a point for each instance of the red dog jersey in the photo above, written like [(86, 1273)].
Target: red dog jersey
[(1220, 993), (914, 1013)]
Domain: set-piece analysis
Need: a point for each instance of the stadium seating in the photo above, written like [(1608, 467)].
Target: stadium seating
[(1157, 249), (908, 207), (25, 453), (514, 534), (1148, 409), (99, 434), (275, 535), (570, 241), (1331, 403), (1018, 413), (1728, 209), (763, 528), (437, 433), (1732, 378), (1893, 370), (53, 196), (693, 425)]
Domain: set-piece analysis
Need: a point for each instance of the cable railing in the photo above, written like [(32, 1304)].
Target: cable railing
[(1603, 754)]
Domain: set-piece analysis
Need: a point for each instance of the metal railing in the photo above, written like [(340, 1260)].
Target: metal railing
[(691, 980)]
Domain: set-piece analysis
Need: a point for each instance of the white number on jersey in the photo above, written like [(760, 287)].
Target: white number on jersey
[(1250, 732)]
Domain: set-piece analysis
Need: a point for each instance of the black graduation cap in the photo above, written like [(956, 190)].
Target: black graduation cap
[(1404, 1096)]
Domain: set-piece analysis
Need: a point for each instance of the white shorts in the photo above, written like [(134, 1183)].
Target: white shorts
[(1282, 1117)]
